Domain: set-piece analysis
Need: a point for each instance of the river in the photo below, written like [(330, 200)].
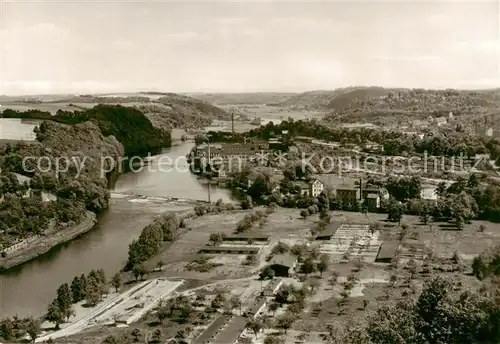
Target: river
[(28, 289)]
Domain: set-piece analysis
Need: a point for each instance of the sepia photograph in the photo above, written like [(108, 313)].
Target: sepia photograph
[(249, 172)]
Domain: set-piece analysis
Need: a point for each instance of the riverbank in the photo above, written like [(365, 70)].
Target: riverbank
[(44, 244)]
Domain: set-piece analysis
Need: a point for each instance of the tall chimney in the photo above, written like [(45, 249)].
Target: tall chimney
[(232, 123)]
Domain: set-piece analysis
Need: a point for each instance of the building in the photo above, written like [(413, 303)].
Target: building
[(311, 189), (305, 139), (247, 237), (372, 201), (224, 330), (347, 194), (439, 121), (328, 233), (256, 308), (272, 287), (230, 250), (42, 196), (283, 265), (387, 252), (316, 188)]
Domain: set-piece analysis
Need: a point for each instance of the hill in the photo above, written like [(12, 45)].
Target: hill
[(172, 110), (165, 110), (128, 125), (243, 98)]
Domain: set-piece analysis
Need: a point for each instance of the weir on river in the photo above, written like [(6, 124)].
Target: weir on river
[(28, 289)]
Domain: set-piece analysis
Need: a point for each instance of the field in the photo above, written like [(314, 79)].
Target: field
[(434, 249)]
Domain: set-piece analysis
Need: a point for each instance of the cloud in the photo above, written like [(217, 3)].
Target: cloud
[(407, 58), (185, 36), (477, 46), (49, 86)]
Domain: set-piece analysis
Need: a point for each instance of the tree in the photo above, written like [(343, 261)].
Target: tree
[(304, 213), (285, 321), (256, 326), (218, 301), (159, 265), (267, 273), (33, 328), (200, 139), (64, 301), (479, 267), (273, 307), (77, 290), (157, 336), (217, 238), (274, 340), (139, 271), (116, 281), (235, 302), (323, 263), (308, 266), (424, 215), (395, 212), (314, 284), (54, 314)]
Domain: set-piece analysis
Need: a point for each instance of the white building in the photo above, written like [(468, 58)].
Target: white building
[(316, 187)]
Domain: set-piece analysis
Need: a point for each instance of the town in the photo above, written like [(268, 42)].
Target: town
[(249, 173)]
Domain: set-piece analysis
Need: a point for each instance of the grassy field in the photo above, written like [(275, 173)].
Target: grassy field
[(431, 247)]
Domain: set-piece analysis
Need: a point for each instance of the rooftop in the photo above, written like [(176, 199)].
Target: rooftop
[(256, 306), (330, 230), (387, 250), (284, 259), (230, 249), (273, 284)]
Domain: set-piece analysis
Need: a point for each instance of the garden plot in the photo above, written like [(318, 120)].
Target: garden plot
[(352, 240)]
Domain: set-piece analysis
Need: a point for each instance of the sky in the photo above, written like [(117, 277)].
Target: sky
[(118, 46)]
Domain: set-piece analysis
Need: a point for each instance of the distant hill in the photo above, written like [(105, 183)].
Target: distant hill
[(312, 99), (173, 110), (243, 98), (165, 110), (398, 99)]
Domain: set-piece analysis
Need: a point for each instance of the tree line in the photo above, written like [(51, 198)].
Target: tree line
[(128, 125), (165, 228)]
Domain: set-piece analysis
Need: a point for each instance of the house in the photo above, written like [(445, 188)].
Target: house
[(42, 196), (347, 194), (272, 287), (328, 233), (283, 265), (387, 252), (312, 189), (316, 187), (373, 148), (372, 201), (439, 121)]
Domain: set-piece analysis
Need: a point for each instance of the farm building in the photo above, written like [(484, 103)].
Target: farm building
[(328, 232), (387, 252), (247, 237), (272, 287), (229, 250), (224, 330), (283, 265), (256, 307)]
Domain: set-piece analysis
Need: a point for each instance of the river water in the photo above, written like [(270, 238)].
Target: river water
[(28, 289)]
